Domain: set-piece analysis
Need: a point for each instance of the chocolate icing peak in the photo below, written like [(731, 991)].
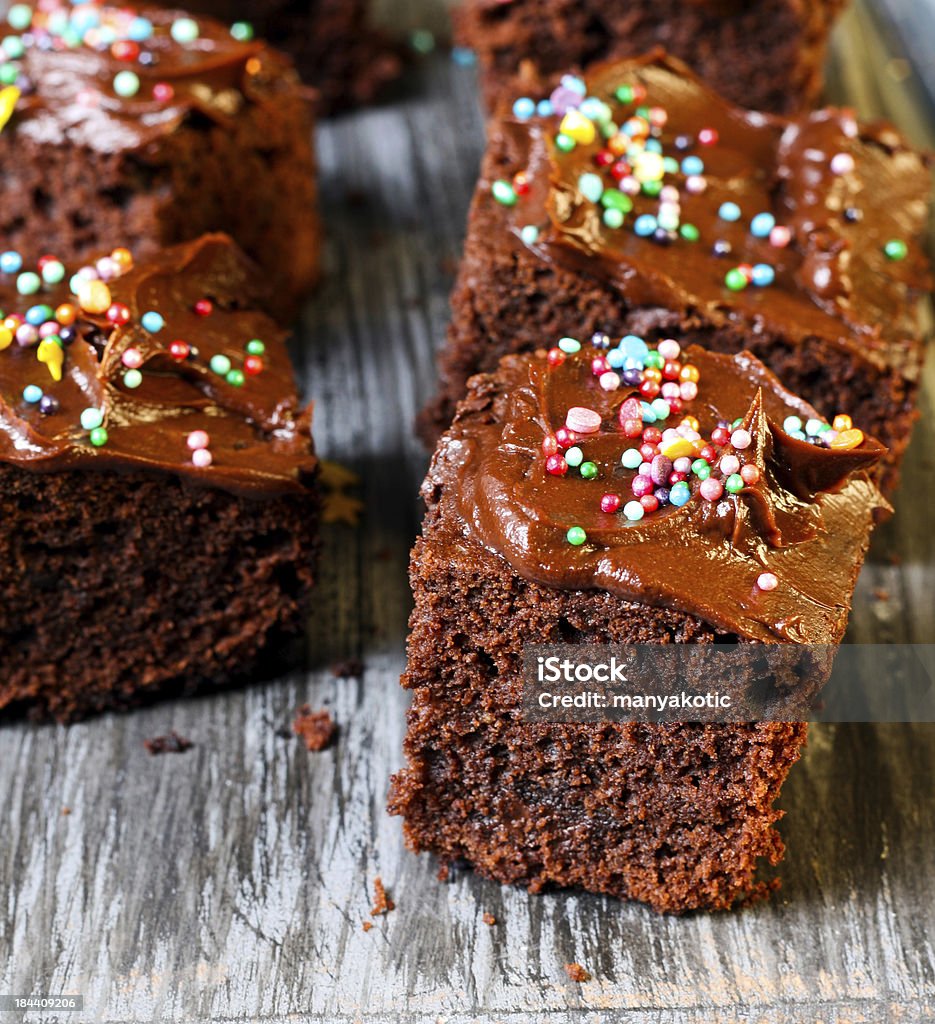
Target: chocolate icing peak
[(705, 557), (259, 438)]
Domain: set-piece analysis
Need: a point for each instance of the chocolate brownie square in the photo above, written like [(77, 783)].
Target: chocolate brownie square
[(563, 506), (763, 54), (335, 47), (151, 127), (640, 202), (157, 479)]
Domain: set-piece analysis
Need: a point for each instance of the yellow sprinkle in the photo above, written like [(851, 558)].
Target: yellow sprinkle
[(648, 166), (94, 296), (677, 448), (847, 439), (9, 97), (576, 126), (6, 338), (842, 422), (50, 353)]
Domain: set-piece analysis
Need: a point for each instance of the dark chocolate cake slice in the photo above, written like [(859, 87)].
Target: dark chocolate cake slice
[(623, 493), (764, 54), (148, 125), (157, 479), (638, 201)]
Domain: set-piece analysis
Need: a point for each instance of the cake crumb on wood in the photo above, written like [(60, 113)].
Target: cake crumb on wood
[(66, 811), (489, 919), (443, 872), (367, 925), (382, 904), (348, 668), (316, 728), (577, 973), (172, 743), (881, 595)]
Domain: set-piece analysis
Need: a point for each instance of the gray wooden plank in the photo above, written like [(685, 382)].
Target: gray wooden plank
[(231, 883)]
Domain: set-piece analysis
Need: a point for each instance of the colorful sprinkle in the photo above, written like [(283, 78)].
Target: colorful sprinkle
[(152, 321), (184, 30), (729, 212), (503, 192), (126, 84), (576, 536), (767, 581), (220, 365), (896, 250), (91, 419), (582, 420)]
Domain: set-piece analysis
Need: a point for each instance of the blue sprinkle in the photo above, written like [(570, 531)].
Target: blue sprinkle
[(36, 315), (814, 427), (634, 348), (574, 83), (152, 322), (32, 394), (791, 423), (645, 225), (763, 275), (591, 187), (762, 224), (653, 146), (140, 29), (463, 56), (569, 345), (692, 165), (649, 414), (680, 494), (615, 357), (529, 234), (661, 408), (544, 108), (524, 108), (11, 262), (632, 458), (729, 212), (595, 110)]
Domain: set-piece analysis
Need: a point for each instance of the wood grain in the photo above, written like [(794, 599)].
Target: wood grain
[(231, 883)]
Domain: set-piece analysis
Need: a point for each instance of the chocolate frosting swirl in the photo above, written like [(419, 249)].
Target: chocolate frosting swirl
[(259, 438), (69, 94), (832, 280), (806, 520)]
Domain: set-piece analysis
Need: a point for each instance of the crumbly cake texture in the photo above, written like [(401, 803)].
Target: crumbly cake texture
[(332, 42), (170, 128), (741, 517), (764, 54), (644, 204), (157, 480)]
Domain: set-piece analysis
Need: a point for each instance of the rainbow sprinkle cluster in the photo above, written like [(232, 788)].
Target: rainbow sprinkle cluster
[(670, 461), (52, 330), (631, 161), (59, 26)]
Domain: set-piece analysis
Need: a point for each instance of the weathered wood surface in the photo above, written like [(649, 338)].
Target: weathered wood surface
[(231, 883)]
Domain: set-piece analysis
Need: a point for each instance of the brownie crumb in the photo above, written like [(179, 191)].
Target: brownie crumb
[(382, 904), (443, 872), (317, 728), (489, 919), (170, 744), (368, 925), (66, 811), (349, 668), (577, 973), (881, 595)]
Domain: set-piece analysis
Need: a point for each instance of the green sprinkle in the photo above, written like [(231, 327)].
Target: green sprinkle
[(896, 249), (255, 347), (8, 74), (422, 41), (184, 30), (735, 280), (608, 129), (589, 470), (670, 165), (503, 192), (652, 188), (529, 234), (564, 142), (98, 437), (613, 218), (614, 199), (235, 378), (625, 94), (53, 272), (576, 536), (242, 31), (132, 379), (698, 465), (736, 423), (28, 283), (569, 346), (689, 232), (126, 84), (91, 418), (654, 359), (734, 483), (702, 472), (19, 17), (220, 365), (14, 47)]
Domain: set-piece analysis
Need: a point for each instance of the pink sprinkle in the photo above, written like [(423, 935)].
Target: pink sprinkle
[(599, 365), (642, 485), (49, 328), (609, 381), (107, 268), (696, 184), (729, 464), (750, 474), (842, 163), (671, 390), (26, 334), (669, 348), (767, 581), (711, 489), (682, 464), (163, 92), (133, 358), (198, 440), (688, 391), (670, 194), (583, 421), (201, 457), (780, 236), (741, 439)]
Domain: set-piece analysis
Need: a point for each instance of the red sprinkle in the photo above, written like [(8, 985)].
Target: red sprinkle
[(204, 307), (556, 357), (179, 350), (610, 503), (163, 92), (549, 445), (708, 136), (125, 49), (556, 465), (253, 365), (118, 314), (565, 438)]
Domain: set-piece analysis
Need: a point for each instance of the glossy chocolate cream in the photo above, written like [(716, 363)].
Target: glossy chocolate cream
[(122, 366), (837, 192), (761, 538), (74, 82)]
